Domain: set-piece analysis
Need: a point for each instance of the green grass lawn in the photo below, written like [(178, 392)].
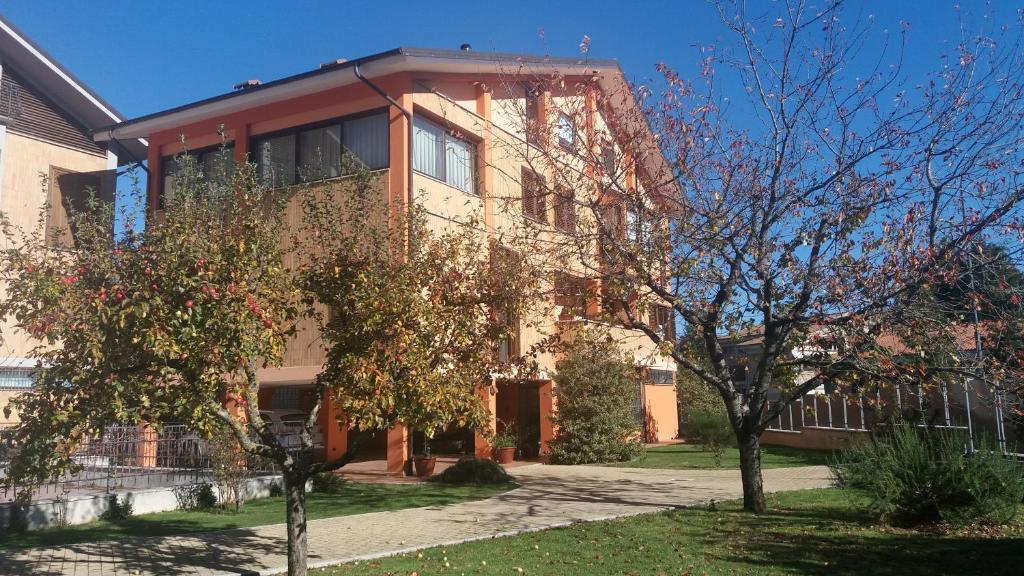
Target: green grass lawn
[(693, 457), (807, 532), (354, 498)]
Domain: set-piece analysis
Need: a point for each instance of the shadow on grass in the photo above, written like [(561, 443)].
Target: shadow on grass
[(838, 537), (354, 498)]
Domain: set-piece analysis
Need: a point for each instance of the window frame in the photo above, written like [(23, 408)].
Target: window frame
[(319, 124), (446, 135)]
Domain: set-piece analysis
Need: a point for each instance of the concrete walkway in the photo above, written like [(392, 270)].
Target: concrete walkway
[(550, 496)]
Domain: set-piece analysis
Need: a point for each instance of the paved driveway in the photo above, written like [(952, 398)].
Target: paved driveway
[(550, 496)]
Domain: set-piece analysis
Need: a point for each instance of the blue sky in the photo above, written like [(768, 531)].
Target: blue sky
[(147, 56)]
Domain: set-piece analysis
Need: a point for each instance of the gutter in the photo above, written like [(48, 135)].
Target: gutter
[(410, 197)]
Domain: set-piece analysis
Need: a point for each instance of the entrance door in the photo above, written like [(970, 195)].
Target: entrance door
[(529, 420)]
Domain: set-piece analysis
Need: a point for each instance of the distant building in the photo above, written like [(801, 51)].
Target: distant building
[(47, 154)]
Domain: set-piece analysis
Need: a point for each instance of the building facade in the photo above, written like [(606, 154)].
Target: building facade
[(440, 127), (47, 157)]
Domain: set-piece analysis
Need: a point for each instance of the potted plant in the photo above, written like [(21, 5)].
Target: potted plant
[(503, 444), (424, 463)]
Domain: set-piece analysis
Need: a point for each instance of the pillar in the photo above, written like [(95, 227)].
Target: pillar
[(547, 411), (145, 447), (398, 450), (482, 448), (334, 429)]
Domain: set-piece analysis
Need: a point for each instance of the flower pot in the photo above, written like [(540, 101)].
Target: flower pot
[(505, 455), (424, 466)]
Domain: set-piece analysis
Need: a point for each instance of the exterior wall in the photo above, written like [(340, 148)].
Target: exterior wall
[(484, 110), (5, 398), (27, 163)]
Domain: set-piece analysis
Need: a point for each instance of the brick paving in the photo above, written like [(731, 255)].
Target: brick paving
[(550, 496)]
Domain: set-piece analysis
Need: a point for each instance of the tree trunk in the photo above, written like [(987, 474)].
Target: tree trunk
[(750, 471), (298, 546)]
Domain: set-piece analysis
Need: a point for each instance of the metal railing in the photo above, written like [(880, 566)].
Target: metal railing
[(134, 458), (976, 410)]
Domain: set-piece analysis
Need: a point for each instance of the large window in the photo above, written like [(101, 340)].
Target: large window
[(441, 155), (322, 151), (662, 321), (215, 164), (534, 196)]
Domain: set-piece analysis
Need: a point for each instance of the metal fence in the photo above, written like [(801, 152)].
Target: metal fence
[(983, 413), (134, 457)]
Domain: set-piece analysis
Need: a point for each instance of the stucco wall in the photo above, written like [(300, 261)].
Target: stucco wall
[(26, 162)]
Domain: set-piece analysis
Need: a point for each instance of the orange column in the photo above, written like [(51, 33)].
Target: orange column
[(398, 450), (335, 431), (145, 448), (482, 448), (547, 410)]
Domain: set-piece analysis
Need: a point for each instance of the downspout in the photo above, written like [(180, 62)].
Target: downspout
[(408, 116), (110, 135), (410, 198)]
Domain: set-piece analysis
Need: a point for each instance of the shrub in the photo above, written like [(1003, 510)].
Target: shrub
[(470, 470), (919, 476), (229, 464), (711, 428), (596, 388), (195, 496), (327, 483), (117, 508)]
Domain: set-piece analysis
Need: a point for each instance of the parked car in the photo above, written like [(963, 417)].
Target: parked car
[(287, 426)]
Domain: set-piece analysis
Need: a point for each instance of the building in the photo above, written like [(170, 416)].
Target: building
[(47, 154), (435, 124)]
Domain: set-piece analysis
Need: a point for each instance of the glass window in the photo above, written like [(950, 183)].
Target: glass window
[(428, 149), (458, 161), (366, 139), (326, 151), (443, 156), (216, 165), (276, 158), (565, 130), (320, 153)]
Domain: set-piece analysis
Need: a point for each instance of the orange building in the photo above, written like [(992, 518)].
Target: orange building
[(444, 128)]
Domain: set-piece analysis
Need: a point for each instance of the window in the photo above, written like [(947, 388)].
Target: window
[(323, 151), (441, 155), (662, 321), (571, 294), (610, 233), (534, 196), (565, 209), (566, 131), (68, 192), (660, 377), (216, 165)]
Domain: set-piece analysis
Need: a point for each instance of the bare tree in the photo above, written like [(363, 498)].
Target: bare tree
[(801, 190)]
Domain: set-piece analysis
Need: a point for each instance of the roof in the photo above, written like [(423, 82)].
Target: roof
[(63, 87), (403, 59)]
